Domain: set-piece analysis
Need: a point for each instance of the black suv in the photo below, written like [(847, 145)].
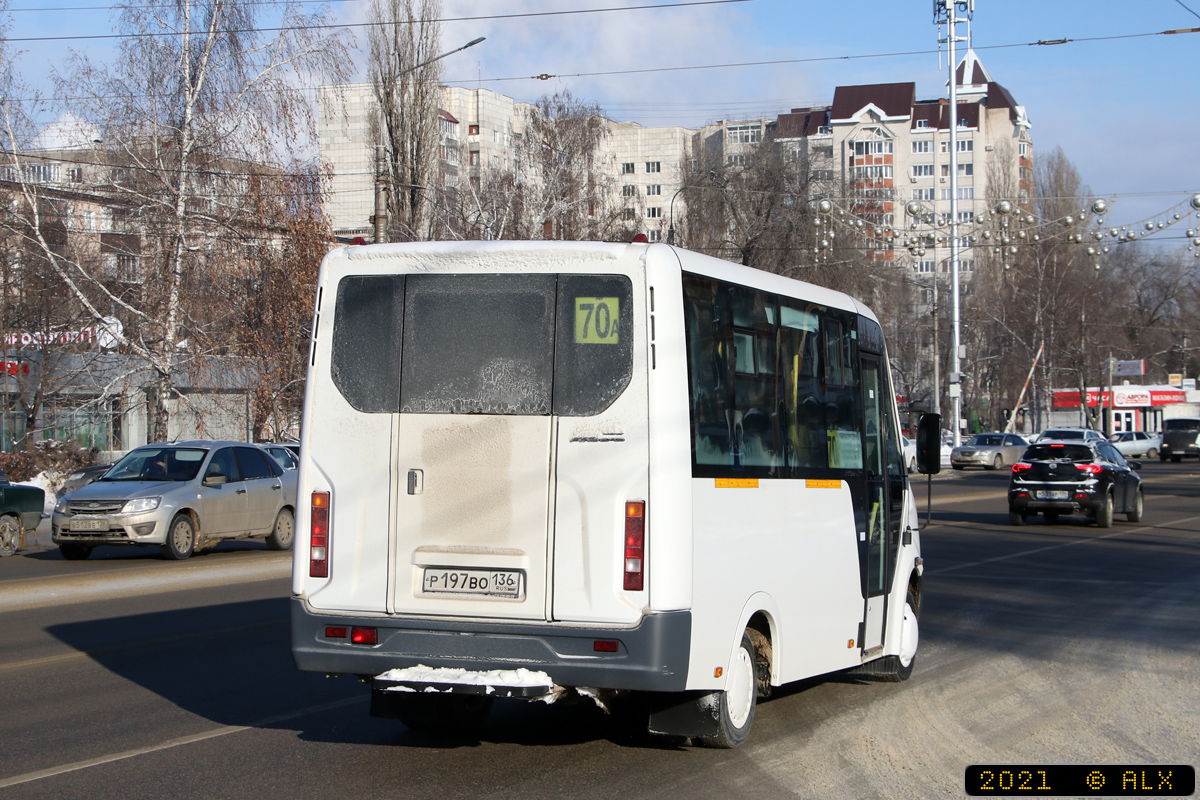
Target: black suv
[(1074, 477)]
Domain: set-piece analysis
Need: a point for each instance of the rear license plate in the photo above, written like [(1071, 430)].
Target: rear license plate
[(1054, 495), (486, 582), (90, 524)]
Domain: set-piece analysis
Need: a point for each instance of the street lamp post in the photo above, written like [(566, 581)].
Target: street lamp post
[(671, 224), (946, 13), (379, 218)]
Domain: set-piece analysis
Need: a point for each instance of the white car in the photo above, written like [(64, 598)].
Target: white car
[(1138, 443)]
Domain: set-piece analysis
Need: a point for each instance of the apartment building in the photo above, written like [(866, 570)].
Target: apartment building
[(884, 148)]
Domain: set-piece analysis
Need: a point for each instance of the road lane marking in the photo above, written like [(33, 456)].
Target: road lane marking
[(1022, 554), (64, 590), (50, 772)]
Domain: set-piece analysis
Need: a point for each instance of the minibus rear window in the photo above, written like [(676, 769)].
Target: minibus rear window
[(484, 344), (478, 344), (368, 328)]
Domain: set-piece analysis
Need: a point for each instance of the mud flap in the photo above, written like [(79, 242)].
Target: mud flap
[(686, 713)]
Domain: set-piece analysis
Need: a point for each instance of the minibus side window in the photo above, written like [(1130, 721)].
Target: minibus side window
[(368, 328)]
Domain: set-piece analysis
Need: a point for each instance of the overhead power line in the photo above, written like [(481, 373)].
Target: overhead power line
[(817, 59), (339, 26)]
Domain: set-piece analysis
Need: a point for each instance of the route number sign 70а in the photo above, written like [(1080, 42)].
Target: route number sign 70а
[(596, 320)]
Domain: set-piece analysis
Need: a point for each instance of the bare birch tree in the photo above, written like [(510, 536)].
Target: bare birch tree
[(196, 104)]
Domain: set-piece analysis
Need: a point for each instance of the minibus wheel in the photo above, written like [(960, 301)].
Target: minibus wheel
[(893, 669), (736, 705)]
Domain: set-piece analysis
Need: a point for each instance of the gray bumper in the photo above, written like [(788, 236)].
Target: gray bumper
[(652, 656)]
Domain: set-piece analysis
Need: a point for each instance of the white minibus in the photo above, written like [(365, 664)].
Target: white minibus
[(549, 469)]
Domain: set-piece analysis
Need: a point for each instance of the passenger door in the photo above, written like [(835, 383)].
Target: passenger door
[(264, 489), (473, 446), (223, 507), (885, 498)]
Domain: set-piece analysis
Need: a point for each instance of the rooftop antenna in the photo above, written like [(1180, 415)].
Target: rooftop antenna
[(950, 15)]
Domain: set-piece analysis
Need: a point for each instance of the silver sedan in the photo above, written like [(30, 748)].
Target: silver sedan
[(989, 450), (183, 496)]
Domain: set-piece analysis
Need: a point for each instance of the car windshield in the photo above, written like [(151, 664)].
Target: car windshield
[(158, 464), (1123, 437), (1058, 452), (1189, 425), (987, 440)]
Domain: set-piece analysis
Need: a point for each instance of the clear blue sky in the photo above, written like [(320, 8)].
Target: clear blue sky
[(1126, 111)]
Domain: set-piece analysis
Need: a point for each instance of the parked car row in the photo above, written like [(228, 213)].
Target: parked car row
[(182, 496)]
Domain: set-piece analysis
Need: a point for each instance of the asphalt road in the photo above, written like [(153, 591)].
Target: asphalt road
[(1046, 643)]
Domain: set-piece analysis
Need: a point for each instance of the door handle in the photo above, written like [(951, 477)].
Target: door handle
[(416, 481), (277, 487), (241, 491)]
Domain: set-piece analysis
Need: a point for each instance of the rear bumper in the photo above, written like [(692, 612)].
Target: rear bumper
[(1088, 503), (651, 656)]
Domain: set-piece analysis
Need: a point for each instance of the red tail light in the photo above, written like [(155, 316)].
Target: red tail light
[(1021, 466), (1095, 469), (364, 635), (318, 547), (635, 545)]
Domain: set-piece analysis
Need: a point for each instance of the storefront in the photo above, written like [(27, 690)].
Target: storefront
[(1125, 408)]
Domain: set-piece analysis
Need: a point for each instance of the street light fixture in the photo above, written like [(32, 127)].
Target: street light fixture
[(379, 219)]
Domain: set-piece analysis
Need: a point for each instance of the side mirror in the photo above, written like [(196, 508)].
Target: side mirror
[(216, 479), (929, 444), (1136, 465)]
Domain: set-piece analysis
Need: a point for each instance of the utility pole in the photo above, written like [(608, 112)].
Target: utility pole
[(946, 12), (379, 219)]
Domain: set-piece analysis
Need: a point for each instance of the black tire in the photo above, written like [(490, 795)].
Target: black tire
[(10, 535), (181, 539), (73, 551), (1104, 514), (1135, 514), (444, 713), (1151, 453), (998, 462), (1051, 517), (1016, 518), (956, 466), (736, 705), (891, 668), (283, 532)]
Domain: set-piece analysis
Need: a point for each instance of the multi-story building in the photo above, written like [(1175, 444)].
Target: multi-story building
[(889, 148), (648, 164)]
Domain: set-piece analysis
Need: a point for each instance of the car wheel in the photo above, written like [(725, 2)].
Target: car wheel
[(1104, 514), (181, 539), (1151, 453), (999, 462), (1135, 514), (735, 705), (1016, 518), (10, 535), (957, 466), (284, 531), (1051, 517), (73, 551)]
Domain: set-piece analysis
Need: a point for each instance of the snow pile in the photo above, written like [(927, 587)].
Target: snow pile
[(489, 678), (48, 482)]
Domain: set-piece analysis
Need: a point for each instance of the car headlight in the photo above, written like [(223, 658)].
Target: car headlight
[(61, 507), (141, 504)]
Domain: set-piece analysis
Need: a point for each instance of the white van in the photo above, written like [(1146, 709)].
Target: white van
[(538, 468)]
